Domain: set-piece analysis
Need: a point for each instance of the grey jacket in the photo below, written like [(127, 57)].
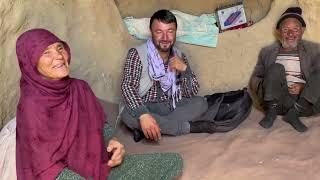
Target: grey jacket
[(309, 53)]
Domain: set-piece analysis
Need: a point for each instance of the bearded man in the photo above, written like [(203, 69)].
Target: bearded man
[(159, 87), (287, 75)]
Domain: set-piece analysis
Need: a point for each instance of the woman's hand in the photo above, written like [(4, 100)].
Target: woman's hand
[(118, 152)]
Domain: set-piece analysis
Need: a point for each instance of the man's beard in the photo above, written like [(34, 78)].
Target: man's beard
[(158, 46), (290, 45)]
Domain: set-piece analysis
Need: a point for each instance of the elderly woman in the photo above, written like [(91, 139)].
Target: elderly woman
[(60, 122)]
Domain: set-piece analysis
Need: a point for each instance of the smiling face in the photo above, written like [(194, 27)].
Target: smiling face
[(163, 35), (291, 33), (53, 63)]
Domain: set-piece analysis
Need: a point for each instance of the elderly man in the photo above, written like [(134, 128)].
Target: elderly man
[(159, 88), (287, 74)]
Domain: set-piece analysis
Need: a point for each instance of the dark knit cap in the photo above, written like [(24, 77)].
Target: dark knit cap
[(292, 12)]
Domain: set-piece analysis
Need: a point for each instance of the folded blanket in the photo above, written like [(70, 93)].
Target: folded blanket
[(198, 30)]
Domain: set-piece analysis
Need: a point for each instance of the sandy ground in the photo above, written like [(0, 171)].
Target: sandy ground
[(248, 152)]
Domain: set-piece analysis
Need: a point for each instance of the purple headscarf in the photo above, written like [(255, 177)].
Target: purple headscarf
[(59, 122)]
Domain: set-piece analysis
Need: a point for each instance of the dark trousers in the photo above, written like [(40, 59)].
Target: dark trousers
[(171, 122), (274, 88)]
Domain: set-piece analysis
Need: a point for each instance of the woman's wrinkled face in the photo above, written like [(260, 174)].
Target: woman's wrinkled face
[(53, 63)]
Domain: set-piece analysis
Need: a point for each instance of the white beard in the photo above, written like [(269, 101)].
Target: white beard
[(287, 45)]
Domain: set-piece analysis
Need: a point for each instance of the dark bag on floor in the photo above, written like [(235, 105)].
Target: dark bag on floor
[(227, 110)]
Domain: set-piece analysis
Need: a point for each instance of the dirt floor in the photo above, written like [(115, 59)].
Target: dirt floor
[(247, 153)]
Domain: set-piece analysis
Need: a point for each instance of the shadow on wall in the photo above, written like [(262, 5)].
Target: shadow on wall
[(111, 111)]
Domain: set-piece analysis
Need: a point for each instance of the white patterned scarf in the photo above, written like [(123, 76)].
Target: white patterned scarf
[(158, 72)]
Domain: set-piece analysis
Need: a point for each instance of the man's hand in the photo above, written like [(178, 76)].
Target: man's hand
[(296, 88), (117, 150), (177, 64), (150, 127)]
